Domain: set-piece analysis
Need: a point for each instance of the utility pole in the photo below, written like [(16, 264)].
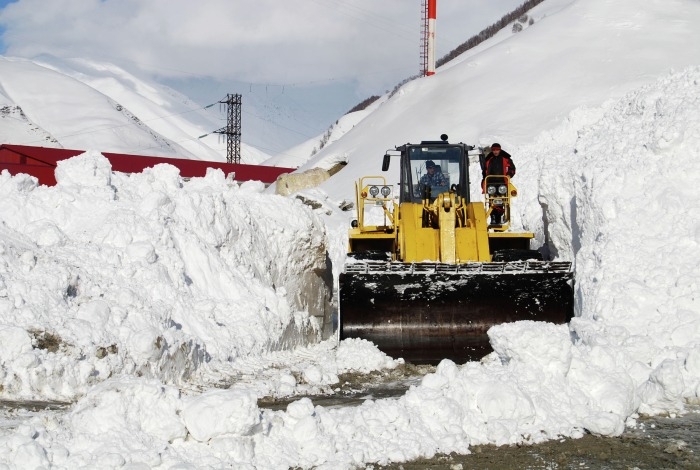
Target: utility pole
[(232, 131), (427, 50)]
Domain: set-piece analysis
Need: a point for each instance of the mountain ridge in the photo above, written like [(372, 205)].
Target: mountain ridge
[(86, 105)]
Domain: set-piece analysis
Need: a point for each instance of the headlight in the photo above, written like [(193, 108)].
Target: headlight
[(502, 189), (374, 191), (491, 190), (386, 190)]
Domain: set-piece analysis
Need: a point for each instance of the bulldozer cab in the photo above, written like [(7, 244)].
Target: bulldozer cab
[(450, 172)]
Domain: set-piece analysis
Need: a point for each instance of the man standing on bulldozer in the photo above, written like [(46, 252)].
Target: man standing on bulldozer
[(497, 162)]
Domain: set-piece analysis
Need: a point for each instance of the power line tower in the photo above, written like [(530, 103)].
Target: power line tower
[(232, 131)]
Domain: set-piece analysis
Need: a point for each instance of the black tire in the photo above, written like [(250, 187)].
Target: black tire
[(516, 255)]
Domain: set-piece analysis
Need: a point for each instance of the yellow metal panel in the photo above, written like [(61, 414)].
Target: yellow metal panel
[(369, 235), (511, 235), (447, 218), (466, 244), (417, 243), (477, 215), (447, 244)]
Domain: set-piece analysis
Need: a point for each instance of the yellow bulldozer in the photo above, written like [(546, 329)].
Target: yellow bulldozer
[(427, 276)]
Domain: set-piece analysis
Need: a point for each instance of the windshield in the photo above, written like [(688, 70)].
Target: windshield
[(436, 167)]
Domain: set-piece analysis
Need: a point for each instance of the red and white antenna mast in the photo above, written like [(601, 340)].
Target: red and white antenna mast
[(427, 54)]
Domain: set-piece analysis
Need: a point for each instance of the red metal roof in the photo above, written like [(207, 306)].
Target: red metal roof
[(41, 161)]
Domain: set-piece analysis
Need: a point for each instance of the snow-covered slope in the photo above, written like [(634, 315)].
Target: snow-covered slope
[(516, 85), (88, 105), (300, 154)]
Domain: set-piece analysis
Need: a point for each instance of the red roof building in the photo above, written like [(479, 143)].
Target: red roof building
[(40, 162)]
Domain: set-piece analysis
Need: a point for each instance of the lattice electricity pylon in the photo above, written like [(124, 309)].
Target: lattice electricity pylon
[(232, 131)]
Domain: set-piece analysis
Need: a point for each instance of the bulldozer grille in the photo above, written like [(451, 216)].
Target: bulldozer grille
[(530, 266)]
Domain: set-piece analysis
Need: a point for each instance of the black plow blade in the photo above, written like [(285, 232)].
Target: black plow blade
[(426, 312)]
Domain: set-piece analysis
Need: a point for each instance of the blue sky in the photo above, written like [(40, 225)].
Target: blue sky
[(3, 3)]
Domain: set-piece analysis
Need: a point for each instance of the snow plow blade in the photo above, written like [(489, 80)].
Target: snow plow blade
[(426, 312)]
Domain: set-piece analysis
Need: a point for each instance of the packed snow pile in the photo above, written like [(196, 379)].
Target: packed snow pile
[(108, 274)]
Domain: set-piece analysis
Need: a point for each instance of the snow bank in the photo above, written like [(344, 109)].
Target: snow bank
[(631, 215), (108, 274)]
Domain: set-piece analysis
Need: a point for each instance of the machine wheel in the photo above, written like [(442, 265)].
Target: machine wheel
[(516, 255)]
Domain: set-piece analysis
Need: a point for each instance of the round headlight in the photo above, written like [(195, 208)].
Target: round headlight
[(502, 189), (374, 191), (386, 190), (491, 190)]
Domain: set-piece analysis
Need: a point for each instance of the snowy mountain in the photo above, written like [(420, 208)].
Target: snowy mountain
[(160, 310), (87, 105), (515, 85)]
